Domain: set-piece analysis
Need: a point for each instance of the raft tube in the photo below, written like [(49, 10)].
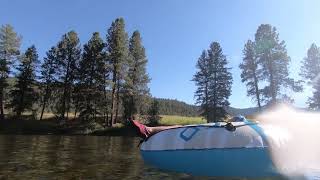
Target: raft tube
[(212, 149)]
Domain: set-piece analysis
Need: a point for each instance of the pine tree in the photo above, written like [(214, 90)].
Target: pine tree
[(272, 55), (311, 64), (251, 74), (213, 81), (136, 86), (68, 56), (310, 71), (202, 80), (154, 112), (9, 50), (47, 77), (314, 101), (92, 71), (23, 94), (118, 54), (220, 87)]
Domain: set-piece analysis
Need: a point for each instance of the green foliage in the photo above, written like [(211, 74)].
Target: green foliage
[(92, 83), (272, 57), (310, 71), (137, 79), (9, 50), (175, 107), (213, 80), (311, 64), (91, 79), (314, 101), (154, 112), (118, 55), (68, 56), (111, 77), (47, 77), (250, 74), (265, 68), (23, 94), (9, 46), (49, 66), (202, 80)]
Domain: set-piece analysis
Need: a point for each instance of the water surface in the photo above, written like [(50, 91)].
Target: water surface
[(76, 157)]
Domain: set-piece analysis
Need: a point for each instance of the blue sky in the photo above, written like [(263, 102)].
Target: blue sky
[(174, 33)]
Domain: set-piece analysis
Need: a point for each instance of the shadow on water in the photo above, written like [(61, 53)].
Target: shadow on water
[(76, 157)]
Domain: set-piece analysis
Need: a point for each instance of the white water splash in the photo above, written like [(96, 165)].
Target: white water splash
[(294, 141)]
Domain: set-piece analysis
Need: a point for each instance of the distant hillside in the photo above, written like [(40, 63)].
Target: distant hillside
[(246, 111), (175, 107)]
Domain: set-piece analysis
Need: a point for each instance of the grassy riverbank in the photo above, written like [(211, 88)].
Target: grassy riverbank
[(180, 120)]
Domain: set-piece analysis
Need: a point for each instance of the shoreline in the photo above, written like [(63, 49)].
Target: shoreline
[(50, 126), (47, 127)]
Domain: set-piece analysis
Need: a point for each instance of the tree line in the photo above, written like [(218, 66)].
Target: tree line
[(264, 71), (105, 78), (175, 107)]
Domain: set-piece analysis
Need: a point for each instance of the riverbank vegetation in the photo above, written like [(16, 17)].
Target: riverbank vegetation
[(103, 79), (103, 82), (49, 125)]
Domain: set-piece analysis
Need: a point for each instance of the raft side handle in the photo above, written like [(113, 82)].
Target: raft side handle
[(188, 137)]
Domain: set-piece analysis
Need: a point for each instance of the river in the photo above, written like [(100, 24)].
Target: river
[(76, 157)]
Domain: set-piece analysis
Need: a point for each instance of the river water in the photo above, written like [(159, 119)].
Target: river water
[(76, 157)]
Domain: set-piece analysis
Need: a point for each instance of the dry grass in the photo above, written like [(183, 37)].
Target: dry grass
[(180, 120)]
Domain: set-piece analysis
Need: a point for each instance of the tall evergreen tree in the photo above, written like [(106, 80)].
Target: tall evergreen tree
[(23, 94), (9, 50), (118, 54), (47, 77), (213, 81), (68, 56), (136, 86), (310, 68), (92, 71), (272, 55), (310, 71), (220, 87), (251, 74), (202, 80)]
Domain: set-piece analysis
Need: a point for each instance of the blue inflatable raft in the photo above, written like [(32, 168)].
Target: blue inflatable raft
[(237, 149)]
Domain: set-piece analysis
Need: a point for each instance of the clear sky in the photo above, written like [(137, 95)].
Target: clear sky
[(174, 33)]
